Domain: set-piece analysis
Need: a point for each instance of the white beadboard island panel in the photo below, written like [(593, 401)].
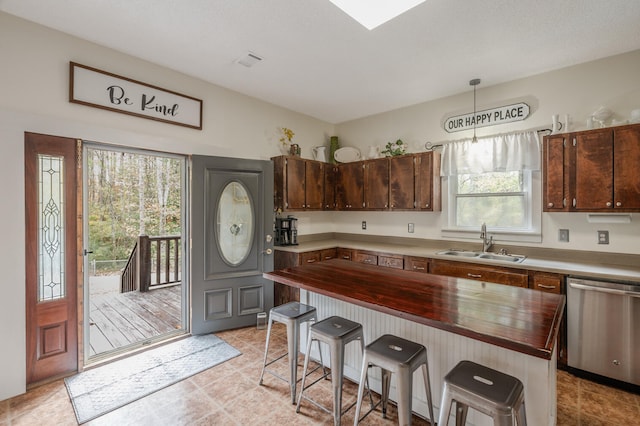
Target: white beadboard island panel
[(444, 351)]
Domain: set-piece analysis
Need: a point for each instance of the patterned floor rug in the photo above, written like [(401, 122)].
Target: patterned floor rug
[(103, 389)]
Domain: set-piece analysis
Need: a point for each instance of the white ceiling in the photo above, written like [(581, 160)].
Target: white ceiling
[(320, 62)]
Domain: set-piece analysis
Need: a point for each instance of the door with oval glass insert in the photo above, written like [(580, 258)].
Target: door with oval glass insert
[(232, 222)]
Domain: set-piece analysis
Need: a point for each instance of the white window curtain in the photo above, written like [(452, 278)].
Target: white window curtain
[(499, 153)]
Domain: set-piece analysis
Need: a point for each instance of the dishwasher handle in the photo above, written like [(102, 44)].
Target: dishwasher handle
[(604, 290)]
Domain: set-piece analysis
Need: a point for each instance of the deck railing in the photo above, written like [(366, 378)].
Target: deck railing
[(153, 262)]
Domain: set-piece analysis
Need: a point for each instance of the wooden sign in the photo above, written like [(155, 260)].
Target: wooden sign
[(100, 89), (487, 117)]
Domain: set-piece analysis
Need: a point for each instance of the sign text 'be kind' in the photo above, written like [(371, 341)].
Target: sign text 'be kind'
[(100, 89)]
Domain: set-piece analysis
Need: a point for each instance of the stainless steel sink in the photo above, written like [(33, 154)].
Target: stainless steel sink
[(511, 258), (503, 257), (459, 253)]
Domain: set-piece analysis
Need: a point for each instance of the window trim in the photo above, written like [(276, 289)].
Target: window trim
[(532, 205)]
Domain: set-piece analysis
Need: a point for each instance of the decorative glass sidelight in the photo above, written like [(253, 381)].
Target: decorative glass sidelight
[(235, 223), (51, 273)]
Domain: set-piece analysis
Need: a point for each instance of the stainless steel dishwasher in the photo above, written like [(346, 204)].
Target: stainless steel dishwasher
[(603, 328)]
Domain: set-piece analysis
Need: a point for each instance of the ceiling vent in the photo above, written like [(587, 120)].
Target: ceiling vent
[(249, 60)]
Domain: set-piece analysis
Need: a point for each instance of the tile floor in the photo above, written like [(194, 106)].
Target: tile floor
[(228, 394)]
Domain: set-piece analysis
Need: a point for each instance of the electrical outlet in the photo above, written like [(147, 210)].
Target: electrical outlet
[(364, 224), (563, 235), (603, 237), (410, 228)]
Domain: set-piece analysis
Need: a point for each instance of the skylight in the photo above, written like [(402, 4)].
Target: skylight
[(372, 13)]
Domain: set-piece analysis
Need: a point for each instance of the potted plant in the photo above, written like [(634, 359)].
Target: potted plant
[(393, 149)]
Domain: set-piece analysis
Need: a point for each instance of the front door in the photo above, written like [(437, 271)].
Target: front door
[(51, 256), (232, 244)]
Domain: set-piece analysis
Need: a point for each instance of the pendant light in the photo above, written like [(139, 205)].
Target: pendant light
[(474, 83)]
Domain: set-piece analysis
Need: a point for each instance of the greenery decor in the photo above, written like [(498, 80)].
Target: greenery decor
[(287, 136), (394, 148)]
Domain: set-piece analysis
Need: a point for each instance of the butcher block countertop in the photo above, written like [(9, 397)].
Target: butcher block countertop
[(522, 320)]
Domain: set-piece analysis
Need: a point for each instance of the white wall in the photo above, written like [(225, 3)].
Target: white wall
[(34, 80), (578, 91)]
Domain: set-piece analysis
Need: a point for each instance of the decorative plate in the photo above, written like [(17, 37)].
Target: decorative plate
[(347, 155)]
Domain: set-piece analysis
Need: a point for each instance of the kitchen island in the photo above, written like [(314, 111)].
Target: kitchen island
[(511, 329)]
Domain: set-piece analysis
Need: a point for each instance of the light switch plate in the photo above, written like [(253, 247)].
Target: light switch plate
[(364, 224), (563, 235)]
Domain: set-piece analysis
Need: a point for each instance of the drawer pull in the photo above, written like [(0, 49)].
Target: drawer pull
[(310, 260), (549, 287), (346, 257), (474, 275), (419, 268)]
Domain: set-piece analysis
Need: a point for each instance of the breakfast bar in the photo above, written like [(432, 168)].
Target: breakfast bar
[(510, 329)]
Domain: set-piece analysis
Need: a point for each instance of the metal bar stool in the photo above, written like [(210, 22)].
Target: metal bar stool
[(400, 356), (336, 332), (292, 315), (489, 391)]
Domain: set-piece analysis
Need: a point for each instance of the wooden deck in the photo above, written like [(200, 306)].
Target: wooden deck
[(121, 319)]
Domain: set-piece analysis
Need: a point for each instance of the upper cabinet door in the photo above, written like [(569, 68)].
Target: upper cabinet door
[(555, 177), (376, 184), (295, 177), (594, 170), (429, 197), (330, 178), (350, 193), (314, 185), (402, 184), (626, 167)]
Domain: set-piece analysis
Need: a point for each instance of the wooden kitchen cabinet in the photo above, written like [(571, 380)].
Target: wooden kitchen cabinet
[(391, 261), (330, 181), (407, 182), (368, 257), (284, 259), (417, 264), (546, 281), (555, 182), (428, 193), (402, 182), (593, 171), (376, 184), (480, 272), (350, 187), (298, 183), (414, 182), (344, 253)]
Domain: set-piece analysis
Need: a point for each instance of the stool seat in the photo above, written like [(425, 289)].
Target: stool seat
[(336, 332), (489, 391), (291, 314), (394, 354)]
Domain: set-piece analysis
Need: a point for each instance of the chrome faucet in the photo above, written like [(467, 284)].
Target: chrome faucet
[(486, 243)]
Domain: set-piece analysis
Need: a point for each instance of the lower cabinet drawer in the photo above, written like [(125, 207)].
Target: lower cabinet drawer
[(416, 264), (391, 262), (480, 273), (369, 259)]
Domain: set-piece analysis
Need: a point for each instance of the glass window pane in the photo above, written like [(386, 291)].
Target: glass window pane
[(235, 223), (496, 182), (51, 273), (496, 211)]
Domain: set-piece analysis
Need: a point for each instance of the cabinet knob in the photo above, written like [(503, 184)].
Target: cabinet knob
[(608, 203), (618, 204), (427, 205), (550, 205)]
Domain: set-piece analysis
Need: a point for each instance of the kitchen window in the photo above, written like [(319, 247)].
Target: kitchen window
[(494, 181)]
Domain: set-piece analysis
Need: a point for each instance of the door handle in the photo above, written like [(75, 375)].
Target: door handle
[(268, 251), (86, 252)]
